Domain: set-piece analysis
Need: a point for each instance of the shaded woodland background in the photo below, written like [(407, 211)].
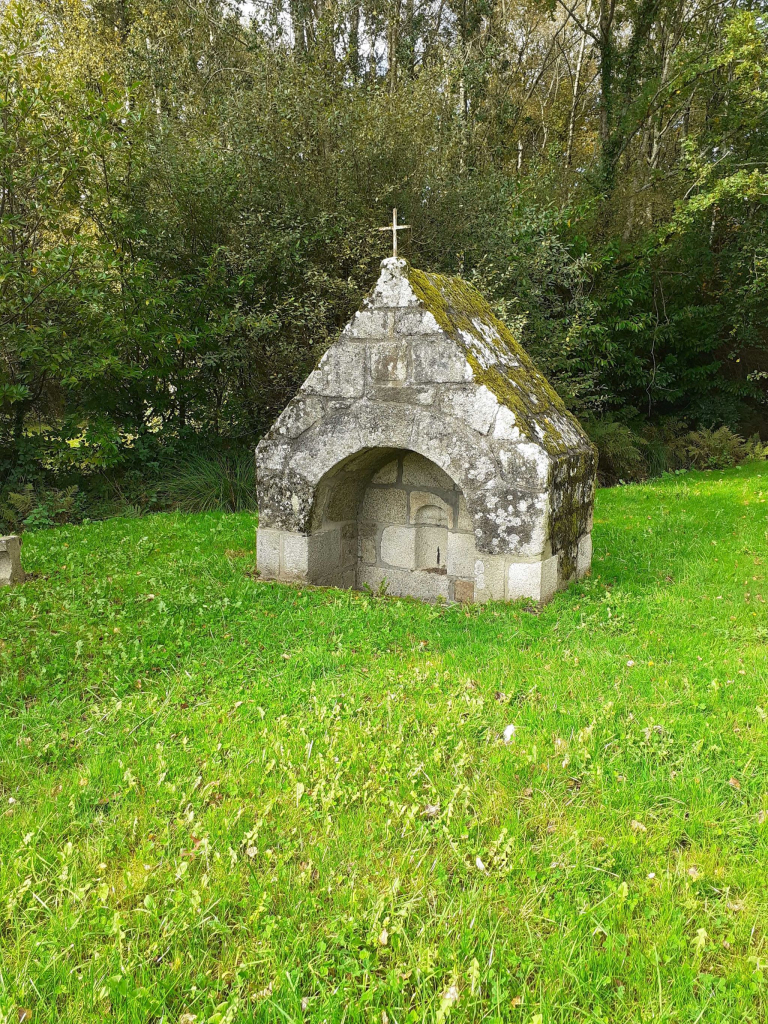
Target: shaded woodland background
[(190, 191)]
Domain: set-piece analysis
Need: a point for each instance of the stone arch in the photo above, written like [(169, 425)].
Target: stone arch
[(390, 517), (492, 478)]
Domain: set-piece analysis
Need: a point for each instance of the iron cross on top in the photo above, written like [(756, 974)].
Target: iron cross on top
[(394, 227)]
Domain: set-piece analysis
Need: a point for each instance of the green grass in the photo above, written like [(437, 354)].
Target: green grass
[(244, 801)]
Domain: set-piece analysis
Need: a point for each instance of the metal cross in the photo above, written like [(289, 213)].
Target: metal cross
[(394, 228)]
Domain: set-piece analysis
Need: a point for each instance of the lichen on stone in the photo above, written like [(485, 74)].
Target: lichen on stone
[(497, 359)]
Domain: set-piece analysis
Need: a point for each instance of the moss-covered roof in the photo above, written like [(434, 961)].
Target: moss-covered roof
[(498, 360)]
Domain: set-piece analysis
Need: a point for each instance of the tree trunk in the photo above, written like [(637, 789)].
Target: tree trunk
[(353, 57), (607, 69), (576, 84)]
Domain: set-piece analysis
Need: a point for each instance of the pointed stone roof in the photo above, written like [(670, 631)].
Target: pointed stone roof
[(497, 359)]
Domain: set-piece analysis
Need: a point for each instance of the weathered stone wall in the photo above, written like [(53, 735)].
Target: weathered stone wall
[(417, 538), (415, 533)]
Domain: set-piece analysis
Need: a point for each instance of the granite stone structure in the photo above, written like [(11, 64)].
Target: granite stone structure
[(426, 456), (10, 561)]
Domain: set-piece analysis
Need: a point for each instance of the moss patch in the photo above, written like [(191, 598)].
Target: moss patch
[(465, 316), (573, 489)]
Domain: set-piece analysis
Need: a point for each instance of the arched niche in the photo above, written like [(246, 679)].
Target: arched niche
[(390, 519)]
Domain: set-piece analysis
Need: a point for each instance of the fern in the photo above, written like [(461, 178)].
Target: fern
[(715, 449), (621, 452)]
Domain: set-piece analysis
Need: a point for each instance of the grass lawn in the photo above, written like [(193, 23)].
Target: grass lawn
[(226, 800)]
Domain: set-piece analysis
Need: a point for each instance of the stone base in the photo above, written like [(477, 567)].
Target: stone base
[(325, 559), (10, 561), (333, 557)]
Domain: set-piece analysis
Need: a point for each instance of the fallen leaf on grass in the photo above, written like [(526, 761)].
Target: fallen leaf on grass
[(431, 810), (24, 1015), (383, 937), (637, 826), (734, 783)]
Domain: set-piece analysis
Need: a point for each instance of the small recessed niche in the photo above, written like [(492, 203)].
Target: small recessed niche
[(431, 538)]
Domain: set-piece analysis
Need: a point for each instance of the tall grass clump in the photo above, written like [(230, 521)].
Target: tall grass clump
[(215, 482)]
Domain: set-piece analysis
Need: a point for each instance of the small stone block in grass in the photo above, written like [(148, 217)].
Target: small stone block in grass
[(10, 561)]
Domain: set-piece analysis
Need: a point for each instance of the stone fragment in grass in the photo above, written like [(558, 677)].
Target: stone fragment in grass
[(10, 561), (509, 734)]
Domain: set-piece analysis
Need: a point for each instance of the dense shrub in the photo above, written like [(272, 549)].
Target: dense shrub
[(37, 509), (631, 453)]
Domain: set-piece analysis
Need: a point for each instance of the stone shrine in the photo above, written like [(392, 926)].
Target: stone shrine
[(426, 455), (10, 561)]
